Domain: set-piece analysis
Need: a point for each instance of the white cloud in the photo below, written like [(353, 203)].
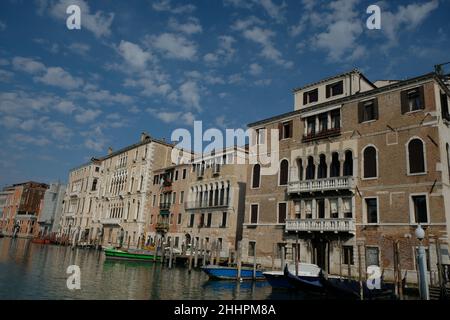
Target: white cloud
[(165, 5), (406, 18), (174, 46), (224, 52), (99, 23), (27, 65), (133, 54), (192, 26), (66, 107), (255, 69), (56, 76), (190, 95), (79, 48), (87, 115), (172, 117), (96, 144), (6, 76), (273, 10), (38, 141)]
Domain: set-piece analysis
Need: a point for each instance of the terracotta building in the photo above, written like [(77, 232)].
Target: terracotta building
[(360, 166), (22, 208)]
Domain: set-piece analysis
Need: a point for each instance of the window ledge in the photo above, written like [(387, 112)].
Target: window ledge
[(368, 121), (372, 178), (417, 174), (415, 111)]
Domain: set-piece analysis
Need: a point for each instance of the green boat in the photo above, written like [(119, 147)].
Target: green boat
[(131, 254)]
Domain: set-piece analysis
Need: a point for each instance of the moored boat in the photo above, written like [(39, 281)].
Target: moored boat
[(130, 254), (231, 273), (311, 284), (278, 279)]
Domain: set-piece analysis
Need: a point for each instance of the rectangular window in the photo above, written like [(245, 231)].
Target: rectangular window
[(412, 100), (202, 220), (286, 130), (420, 209), (181, 197), (254, 213), (321, 208), (174, 197), (251, 248), (323, 122), (334, 213), (260, 134), (282, 212), (184, 174), (224, 220), (191, 221), (179, 219), (311, 96), (335, 89), (347, 208), (336, 119), (176, 175), (372, 210), (348, 255), (311, 126), (209, 220), (372, 256), (280, 247), (368, 110), (154, 200)]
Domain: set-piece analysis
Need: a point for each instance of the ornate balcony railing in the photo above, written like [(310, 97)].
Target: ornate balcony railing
[(332, 132), (206, 204), (335, 183), (111, 221), (322, 225)]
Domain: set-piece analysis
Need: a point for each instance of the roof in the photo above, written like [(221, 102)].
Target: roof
[(40, 184), (352, 97), (335, 77)]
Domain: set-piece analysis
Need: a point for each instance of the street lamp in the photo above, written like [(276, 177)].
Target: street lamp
[(421, 258)]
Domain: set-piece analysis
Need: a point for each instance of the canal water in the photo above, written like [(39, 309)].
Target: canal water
[(35, 271)]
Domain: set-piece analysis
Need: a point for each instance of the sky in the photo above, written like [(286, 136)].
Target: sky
[(155, 66)]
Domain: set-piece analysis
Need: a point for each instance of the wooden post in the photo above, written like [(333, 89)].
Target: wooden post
[(361, 289), (190, 257), (282, 257), (394, 250), (341, 253), (196, 255), (213, 256), (204, 254), (273, 255), (155, 254), (349, 265), (170, 254), (399, 270), (201, 251), (239, 260), (229, 256), (254, 262), (296, 255), (439, 265), (218, 253)]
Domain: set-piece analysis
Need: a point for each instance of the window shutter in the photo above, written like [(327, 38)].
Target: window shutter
[(360, 112), (422, 97), (291, 125), (305, 98), (375, 108), (404, 102)]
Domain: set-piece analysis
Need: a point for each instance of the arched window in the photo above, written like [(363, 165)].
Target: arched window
[(335, 165), (256, 176), (310, 169), (300, 169), (416, 156), (370, 162), (348, 163), (322, 174), (284, 172)]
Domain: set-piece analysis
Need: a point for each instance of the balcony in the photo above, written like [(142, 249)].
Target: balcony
[(322, 225), (165, 206), (190, 205), (322, 134), (162, 226), (110, 221), (327, 184), (216, 169)]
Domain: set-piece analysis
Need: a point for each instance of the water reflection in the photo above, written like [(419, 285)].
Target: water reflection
[(35, 271)]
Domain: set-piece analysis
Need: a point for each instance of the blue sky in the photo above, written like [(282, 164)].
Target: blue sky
[(67, 95)]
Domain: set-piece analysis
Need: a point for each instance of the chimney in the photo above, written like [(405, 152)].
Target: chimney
[(144, 136), (110, 150)]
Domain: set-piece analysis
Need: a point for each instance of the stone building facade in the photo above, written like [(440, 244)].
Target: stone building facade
[(53, 201), (359, 168)]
